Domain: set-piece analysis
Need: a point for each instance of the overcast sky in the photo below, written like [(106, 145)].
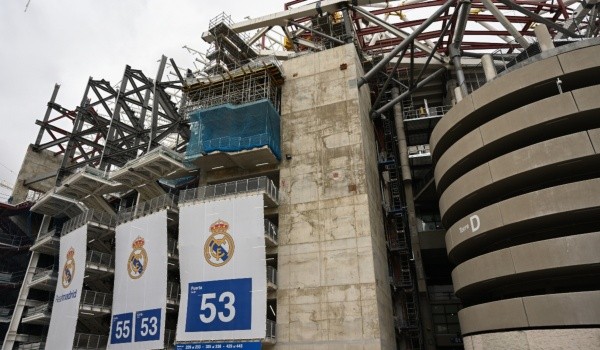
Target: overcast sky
[(67, 41)]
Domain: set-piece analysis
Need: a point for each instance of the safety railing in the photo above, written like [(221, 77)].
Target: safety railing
[(423, 112), (100, 259), (271, 330), (89, 341), (90, 215), (40, 309), (271, 230), (92, 298), (47, 235), (238, 143), (161, 150), (31, 342), (258, 184), (167, 200), (172, 249), (92, 171), (6, 311), (44, 272), (173, 290), (14, 241), (169, 338), (272, 275)]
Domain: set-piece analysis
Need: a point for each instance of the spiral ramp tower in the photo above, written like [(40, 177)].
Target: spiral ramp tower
[(519, 184)]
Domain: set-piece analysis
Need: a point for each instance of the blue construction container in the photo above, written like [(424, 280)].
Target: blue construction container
[(234, 128)]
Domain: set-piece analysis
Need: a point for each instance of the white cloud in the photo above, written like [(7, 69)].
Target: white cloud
[(67, 41)]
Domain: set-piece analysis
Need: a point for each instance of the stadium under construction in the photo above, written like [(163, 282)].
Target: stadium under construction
[(338, 175)]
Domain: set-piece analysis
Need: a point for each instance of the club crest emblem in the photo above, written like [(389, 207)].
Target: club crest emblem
[(219, 247), (138, 259), (68, 272)]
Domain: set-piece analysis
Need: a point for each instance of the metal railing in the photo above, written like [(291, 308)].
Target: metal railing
[(423, 112), (271, 330), (238, 143), (160, 150), (43, 272), (96, 299), (173, 290), (99, 258), (272, 275), (258, 184), (46, 235), (169, 338), (44, 309), (14, 241), (6, 311), (92, 171), (172, 248), (90, 215), (89, 341), (167, 200), (271, 230), (34, 345)]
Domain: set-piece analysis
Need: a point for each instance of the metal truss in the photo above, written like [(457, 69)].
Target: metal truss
[(114, 125)]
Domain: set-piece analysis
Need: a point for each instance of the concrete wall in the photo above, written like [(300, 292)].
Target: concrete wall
[(36, 164), (519, 184), (333, 290)]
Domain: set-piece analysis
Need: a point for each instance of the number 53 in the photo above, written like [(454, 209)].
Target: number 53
[(227, 299)]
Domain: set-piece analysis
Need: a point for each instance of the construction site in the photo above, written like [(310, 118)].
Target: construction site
[(337, 175)]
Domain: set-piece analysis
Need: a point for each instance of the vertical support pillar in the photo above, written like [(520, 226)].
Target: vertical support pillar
[(347, 25), (424, 307), (458, 94), (543, 36), (488, 67), (38, 140)]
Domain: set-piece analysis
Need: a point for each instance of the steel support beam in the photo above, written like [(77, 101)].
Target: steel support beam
[(387, 58), (505, 23), (395, 31), (316, 32), (534, 16), (420, 84)]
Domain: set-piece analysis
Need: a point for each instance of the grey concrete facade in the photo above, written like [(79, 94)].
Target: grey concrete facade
[(517, 175), (333, 288)]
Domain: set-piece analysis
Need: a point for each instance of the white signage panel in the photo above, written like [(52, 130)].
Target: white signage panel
[(71, 270), (140, 292), (223, 270)]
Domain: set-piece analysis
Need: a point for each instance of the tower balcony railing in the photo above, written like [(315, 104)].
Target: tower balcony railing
[(40, 273), (271, 335), (272, 275), (89, 341), (165, 201), (99, 260), (270, 233), (172, 248), (173, 292), (259, 184), (40, 309), (430, 112), (6, 313), (93, 299), (89, 216)]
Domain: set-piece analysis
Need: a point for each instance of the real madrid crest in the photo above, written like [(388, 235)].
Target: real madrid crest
[(138, 259), (69, 269), (219, 247)]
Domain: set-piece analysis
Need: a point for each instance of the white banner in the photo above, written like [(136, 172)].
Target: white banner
[(140, 292), (71, 270), (223, 270)]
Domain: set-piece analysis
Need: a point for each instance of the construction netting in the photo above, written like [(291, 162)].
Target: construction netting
[(234, 128)]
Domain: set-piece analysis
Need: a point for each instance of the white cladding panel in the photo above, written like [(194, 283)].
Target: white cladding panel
[(223, 270), (140, 292), (71, 270)]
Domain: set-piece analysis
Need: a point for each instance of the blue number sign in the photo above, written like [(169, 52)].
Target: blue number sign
[(122, 328), (223, 305), (147, 325)]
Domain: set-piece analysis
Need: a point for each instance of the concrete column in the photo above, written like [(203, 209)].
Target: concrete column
[(424, 307), (544, 38), (488, 67)]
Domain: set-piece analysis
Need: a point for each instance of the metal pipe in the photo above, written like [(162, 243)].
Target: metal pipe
[(387, 58), (538, 18), (505, 23), (395, 31), (406, 93)]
